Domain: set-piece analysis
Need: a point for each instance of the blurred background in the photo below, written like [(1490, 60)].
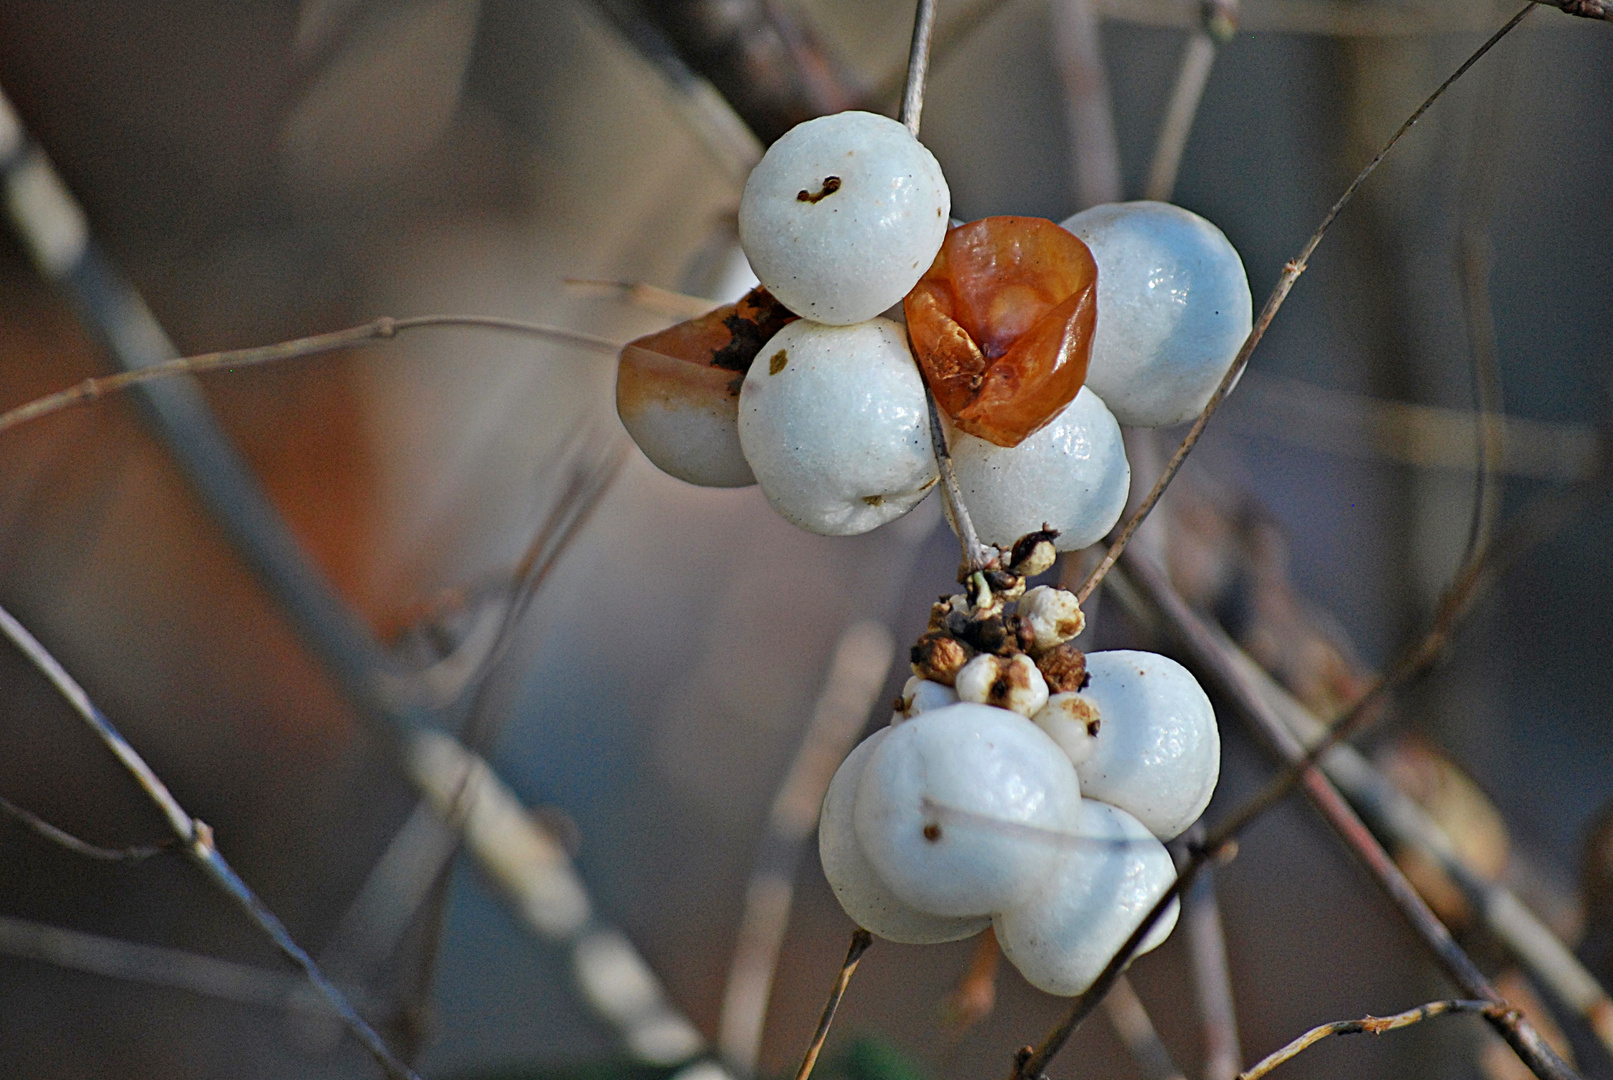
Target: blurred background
[(263, 171)]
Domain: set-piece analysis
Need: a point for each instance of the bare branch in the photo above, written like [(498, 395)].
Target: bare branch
[(1274, 302), (976, 556), (1370, 1025), (674, 305), (197, 839), (1131, 1022), (383, 328), (860, 940), (65, 839), (1095, 154), (1198, 57), (1212, 981)]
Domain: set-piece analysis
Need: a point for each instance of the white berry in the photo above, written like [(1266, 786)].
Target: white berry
[(1008, 682), (834, 424), (922, 695), (960, 810), (1158, 754), (1071, 475), (864, 896), (1073, 722), (1173, 309), (843, 215), (683, 416), (1063, 937), (1054, 616)]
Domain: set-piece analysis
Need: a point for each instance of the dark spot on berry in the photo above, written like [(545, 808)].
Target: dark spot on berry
[(831, 184), (776, 364), (932, 832), (755, 319), (1092, 727)]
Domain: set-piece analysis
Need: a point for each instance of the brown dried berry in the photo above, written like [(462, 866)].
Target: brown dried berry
[(939, 657), (1065, 669), (1034, 553)]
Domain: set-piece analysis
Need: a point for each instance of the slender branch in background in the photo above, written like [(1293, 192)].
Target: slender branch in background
[(1094, 152), (975, 995), (674, 305), (1198, 57), (850, 690), (381, 329), (1370, 1025), (975, 554), (1489, 138), (62, 838), (1212, 980), (860, 940), (1588, 9), (1204, 650), (918, 65), (197, 840), (1274, 302), (1131, 1022)]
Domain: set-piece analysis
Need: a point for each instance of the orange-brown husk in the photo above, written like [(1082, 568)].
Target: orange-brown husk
[(1002, 324)]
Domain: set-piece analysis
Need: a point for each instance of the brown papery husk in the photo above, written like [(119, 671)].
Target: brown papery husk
[(700, 362), (1002, 324)]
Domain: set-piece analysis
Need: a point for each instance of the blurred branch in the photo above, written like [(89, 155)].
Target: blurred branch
[(60, 837), (850, 689), (1285, 282), (381, 329), (1371, 1025), (1335, 18), (1198, 57), (1131, 1022), (1212, 981), (1089, 113), (197, 840), (674, 305)]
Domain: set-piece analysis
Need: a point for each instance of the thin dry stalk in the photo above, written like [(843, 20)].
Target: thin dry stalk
[(674, 305), (62, 838), (1094, 151), (918, 65), (1370, 1025), (196, 838), (381, 329), (1285, 282), (1198, 57), (976, 555), (860, 940)]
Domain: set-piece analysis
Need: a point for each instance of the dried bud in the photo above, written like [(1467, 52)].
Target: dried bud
[(1073, 723), (1064, 667), (921, 695), (1034, 553), (1054, 616), (1011, 683), (939, 657), (1005, 587), (1020, 631)]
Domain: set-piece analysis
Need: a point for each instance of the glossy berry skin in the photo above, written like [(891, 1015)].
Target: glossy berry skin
[(866, 898), (1173, 309), (1072, 475), (842, 215), (959, 810), (834, 424), (1157, 754), (1002, 324), (677, 391), (1097, 894)]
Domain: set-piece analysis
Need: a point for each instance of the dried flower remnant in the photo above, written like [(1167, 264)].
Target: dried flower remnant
[(677, 391), (1002, 324)]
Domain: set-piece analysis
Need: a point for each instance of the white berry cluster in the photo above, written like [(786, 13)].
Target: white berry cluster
[(1032, 793), (1038, 341)]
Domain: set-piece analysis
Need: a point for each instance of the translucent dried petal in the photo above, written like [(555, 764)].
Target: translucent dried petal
[(1002, 324)]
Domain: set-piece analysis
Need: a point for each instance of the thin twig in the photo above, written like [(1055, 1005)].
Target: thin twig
[(851, 687), (860, 940), (918, 65), (1279, 293), (675, 305), (197, 839), (63, 838), (976, 555), (1095, 172), (381, 329), (1370, 1025)]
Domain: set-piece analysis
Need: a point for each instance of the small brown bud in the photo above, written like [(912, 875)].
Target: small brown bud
[(1021, 630), (1064, 667), (1008, 683), (1034, 553), (939, 657), (990, 635)]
